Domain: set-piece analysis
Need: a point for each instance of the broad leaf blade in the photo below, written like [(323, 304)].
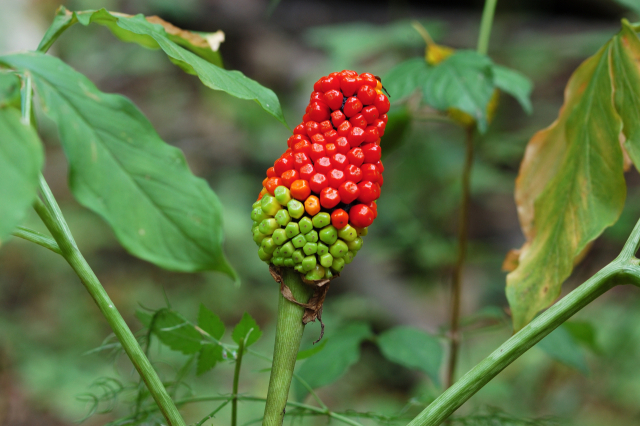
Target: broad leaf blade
[(247, 330), (21, 159), (176, 332), (9, 90), (341, 352), (122, 170), (414, 349), (208, 357), (515, 84), (210, 322), (579, 192), (405, 78), (561, 346)]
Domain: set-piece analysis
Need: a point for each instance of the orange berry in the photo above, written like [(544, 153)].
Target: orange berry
[(300, 189), (312, 205)]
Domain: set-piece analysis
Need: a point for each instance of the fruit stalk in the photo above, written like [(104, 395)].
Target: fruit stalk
[(289, 331)]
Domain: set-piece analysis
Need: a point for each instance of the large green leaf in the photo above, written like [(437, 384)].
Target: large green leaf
[(210, 322), (176, 332), (405, 78), (341, 351), (247, 331), (515, 84), (122, 170), (561, 346), (208, 357), (412, 348), (21, 160), (154, 33)]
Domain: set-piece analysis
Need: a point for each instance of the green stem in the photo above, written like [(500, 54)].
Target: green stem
[(236, 379), (624, 269), (36, 237), (456, 282), (289, 331), (52, 217), (485, 26)]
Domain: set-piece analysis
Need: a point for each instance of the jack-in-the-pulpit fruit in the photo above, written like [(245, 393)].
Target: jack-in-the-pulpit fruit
[(319, 197)]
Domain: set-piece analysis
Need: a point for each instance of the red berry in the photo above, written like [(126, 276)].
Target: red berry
[(356, 136), (312, 128), (335, 178), (323, 165), (349, 73), (369, 79), (382, 103), (356, 156), (342, 144), (296, 138), (316, 86), (316, 96), (380, 166), (331, 136), (374, 208), (283, 164), (333, 98), (371, 153), (318, 138), (350, 85), (361, 216), (352, 107), (384, 118), (289, 177), (371, 134), (272, 184), (370, 114), (271, 172), (344, 128), (331, 149), (329, 83), (367, 95), (339, 219), (325, 126), (300, 159), (370, 172), (339, 161), (303, 146), (380, 125), (349, 191), (318, 182), (305, 118), (329, 198), (353, 173), (307, 171), (299, 130), (380, 180), (358, 120), (337, 117), (317, 151), (369, 191), (319, 111)]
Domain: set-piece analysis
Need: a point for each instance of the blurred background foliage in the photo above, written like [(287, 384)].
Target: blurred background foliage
[(584, 374)]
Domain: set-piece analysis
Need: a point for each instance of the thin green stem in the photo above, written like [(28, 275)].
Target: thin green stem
[(624, 269), (236, 380), (214, 412), (485, 25), (456, 281), (289, 331), (36, 237), (27, 98)]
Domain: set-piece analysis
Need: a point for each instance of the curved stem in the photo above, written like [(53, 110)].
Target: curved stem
[(456, 282), (36, 237), (289, 331), (485, 25)]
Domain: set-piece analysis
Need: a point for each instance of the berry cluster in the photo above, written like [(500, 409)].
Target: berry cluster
[(329, 179)]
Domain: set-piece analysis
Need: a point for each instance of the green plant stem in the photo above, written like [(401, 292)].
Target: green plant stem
[(456, 281), (52, 217), (485, 25), (236, 379), (289, 331), (624, 269), (36, 237)]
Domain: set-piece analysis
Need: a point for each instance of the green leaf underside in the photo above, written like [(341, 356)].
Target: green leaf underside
[(137, 29), (176, 332), (21, 158), (208, 357), (210, 322), (122, 170), (561, 346), (341, 352), (247, 330), (571, 184), (515, 84), (412, 348), (312, 350)]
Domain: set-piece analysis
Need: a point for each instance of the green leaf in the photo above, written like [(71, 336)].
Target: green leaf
[(412, 348), (405, 78), (247, 329), (9, 90), (341, 352), (515, 84), (631, 4), (138, 29), (561, 346), (144, 317), (122, 170), (21, 159), (176, 332), (210, 322), (208, 357), (463, 81), (583, 333), (312, 350)]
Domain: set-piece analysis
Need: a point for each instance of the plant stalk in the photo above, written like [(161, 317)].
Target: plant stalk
[(456, 282), (236, 379), (289, 331), (485, 25), (37, 238)]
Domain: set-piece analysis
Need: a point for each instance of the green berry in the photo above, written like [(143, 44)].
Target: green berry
[(276, 252), (338, 265), (308, 263), (279, 236), (348, 257), (305, 225), (267, 226), (258, 214), (329, 235), (278, 261), (257, 204), (297, 256), (287, 250), (263, 255), (282, 217), (258, 236), (326, 260), (268, 245), (328, 274), (292, 229), (338, 249), (362, 232), (296, 209), (322, 249), (310, 248), (355, 245), (282, 194), (317, 273), (321, 220), (269, 205), (299, 241), (289, 263), (299, 268), (312, 236), (348, 233)]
